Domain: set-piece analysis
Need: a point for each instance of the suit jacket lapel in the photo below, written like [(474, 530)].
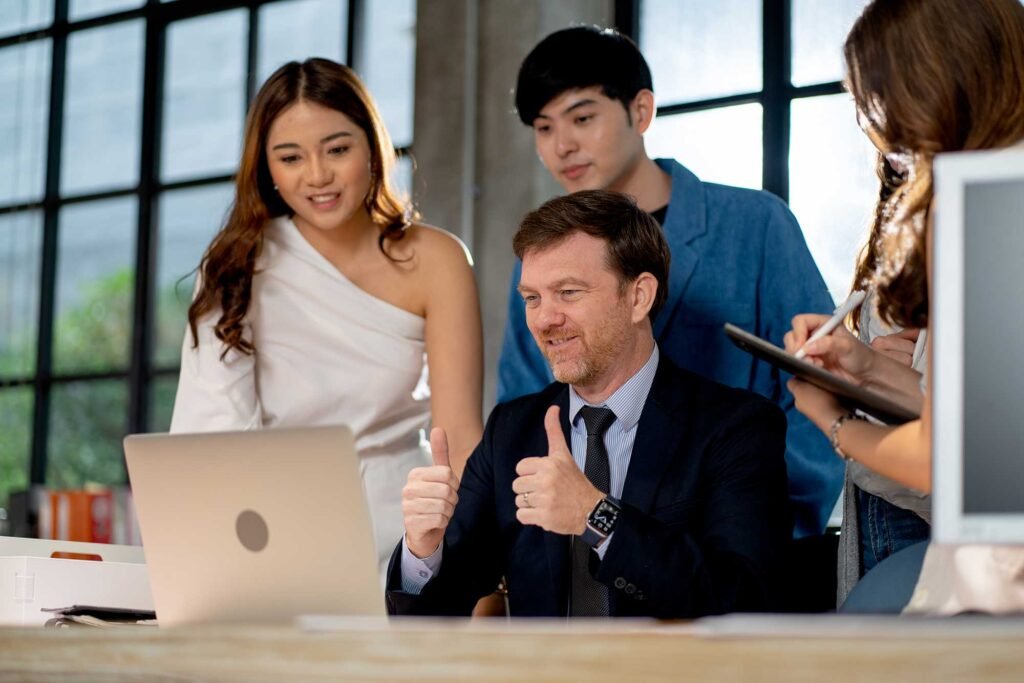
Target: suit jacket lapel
[(557, 545), (661, 428)]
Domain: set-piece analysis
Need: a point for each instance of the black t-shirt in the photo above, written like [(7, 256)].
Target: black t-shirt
[(659, 214)]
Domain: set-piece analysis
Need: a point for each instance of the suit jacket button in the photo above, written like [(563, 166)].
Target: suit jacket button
[(630, 589), (639, 595), (620, 582)]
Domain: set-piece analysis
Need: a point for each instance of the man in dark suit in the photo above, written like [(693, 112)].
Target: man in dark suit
[(628, 487)]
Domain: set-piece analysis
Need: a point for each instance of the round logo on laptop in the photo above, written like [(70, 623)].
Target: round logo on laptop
[(252, 530)]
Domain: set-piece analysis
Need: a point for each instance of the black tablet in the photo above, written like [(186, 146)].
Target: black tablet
[(850, 395)]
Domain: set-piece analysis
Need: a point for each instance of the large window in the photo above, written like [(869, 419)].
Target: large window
[(749, 93), (123, 121)]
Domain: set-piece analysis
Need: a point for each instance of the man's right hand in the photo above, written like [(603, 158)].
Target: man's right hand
[(429, 499)]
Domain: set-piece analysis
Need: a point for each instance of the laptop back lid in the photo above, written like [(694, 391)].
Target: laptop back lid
[(256, 526)]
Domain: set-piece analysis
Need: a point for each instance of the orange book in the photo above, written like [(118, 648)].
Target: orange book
[(82, 515), (80, 527)]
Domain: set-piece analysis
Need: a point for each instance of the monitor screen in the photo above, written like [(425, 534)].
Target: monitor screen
[(994, 347), (978, 338)]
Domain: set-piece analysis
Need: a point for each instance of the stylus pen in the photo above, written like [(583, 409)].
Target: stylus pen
[(853, 301)]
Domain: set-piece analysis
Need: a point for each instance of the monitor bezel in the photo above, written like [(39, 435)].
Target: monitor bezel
[(953, 172)]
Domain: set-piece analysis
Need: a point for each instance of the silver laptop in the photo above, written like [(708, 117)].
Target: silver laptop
[(256, 526)]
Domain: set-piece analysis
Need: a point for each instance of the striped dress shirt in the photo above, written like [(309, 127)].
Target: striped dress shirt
[(627, 402)]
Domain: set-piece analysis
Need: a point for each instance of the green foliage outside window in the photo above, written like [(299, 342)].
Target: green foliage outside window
[(88, 419)]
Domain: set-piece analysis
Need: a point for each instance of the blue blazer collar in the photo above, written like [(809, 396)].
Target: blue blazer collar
[(685, 221)]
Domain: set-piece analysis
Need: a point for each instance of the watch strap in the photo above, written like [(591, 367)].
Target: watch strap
[(591, 536)]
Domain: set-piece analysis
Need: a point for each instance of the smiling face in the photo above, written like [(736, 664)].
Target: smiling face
[(579, 313), (589, 141), (319, 160)]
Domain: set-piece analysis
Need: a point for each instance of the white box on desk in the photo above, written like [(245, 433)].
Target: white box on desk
[(31, 579)]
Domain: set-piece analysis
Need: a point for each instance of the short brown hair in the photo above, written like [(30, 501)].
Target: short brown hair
[(635, 242)]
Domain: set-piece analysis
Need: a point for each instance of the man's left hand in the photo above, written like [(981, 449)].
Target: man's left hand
[(552, 492)]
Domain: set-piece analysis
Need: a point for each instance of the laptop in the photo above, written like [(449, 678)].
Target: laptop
[(255, 526)]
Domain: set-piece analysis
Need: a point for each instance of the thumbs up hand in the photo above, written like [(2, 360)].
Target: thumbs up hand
[(552, 492), (429, 499)]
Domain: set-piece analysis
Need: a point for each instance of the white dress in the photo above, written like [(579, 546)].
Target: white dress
[(327, 353)]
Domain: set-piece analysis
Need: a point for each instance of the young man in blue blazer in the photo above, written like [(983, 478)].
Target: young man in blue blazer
[(628, 487), (738, 255)]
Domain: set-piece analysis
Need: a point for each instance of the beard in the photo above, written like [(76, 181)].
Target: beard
[(591, 358)]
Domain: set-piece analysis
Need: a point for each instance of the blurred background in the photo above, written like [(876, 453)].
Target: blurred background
[(121, 124)]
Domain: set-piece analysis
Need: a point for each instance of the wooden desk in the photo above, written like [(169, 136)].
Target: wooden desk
[(538, 652)]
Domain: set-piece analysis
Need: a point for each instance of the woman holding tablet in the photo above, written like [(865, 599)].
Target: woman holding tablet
[(321, 300), (927, 76)]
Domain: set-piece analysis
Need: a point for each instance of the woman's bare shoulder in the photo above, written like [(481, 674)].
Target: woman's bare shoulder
[(432, 247)]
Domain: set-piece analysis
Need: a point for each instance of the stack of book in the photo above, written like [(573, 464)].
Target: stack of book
[(89, 515)]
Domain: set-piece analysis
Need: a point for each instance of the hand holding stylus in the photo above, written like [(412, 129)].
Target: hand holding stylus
[(852, 302)]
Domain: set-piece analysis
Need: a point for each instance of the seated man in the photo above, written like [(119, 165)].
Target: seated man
[(738, 255), (628, 487)]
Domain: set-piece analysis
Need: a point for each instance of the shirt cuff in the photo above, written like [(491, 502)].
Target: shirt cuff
[(603, 548), (417, 572)]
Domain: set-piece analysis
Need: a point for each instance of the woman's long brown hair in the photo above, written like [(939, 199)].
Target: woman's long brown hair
[(929, 76), (227, 268)]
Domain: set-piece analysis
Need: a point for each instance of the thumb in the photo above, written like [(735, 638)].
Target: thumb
[(439, 446), (553, 427)]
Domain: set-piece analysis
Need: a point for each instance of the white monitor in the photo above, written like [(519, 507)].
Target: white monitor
[(977, 327)]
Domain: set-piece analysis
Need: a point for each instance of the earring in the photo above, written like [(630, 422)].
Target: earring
[(275, 188)]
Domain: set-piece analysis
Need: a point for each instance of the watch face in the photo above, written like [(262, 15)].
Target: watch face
[(603, 517)]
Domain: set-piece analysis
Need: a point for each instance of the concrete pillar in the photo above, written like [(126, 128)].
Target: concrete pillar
[(477, 171)]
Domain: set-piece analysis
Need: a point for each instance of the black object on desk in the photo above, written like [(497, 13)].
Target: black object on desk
[(849, 394)]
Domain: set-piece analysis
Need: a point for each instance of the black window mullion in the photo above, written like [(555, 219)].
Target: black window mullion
[(777, 59), (252, 55), (355, 32), (48, 269), (627, 18), (145, 257), (704, 105)]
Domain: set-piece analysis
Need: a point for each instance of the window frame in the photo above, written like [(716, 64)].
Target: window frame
[(141, 373), (777, 91)]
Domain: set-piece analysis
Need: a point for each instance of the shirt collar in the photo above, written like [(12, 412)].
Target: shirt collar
[(627, 402)]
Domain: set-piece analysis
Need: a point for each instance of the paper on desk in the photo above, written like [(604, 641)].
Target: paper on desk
[(847, 626), (89, 620)]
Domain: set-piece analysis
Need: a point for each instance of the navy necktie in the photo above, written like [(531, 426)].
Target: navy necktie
[(589, 596)]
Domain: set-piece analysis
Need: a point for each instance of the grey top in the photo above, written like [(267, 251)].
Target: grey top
[(859, 476)]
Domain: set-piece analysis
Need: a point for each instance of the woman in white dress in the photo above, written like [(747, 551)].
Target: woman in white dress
[(321, 301)]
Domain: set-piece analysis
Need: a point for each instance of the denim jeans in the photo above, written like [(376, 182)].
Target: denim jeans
[(885, 529)]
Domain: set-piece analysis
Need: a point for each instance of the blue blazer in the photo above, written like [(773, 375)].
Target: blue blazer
[(737, 256), (704, 522)]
